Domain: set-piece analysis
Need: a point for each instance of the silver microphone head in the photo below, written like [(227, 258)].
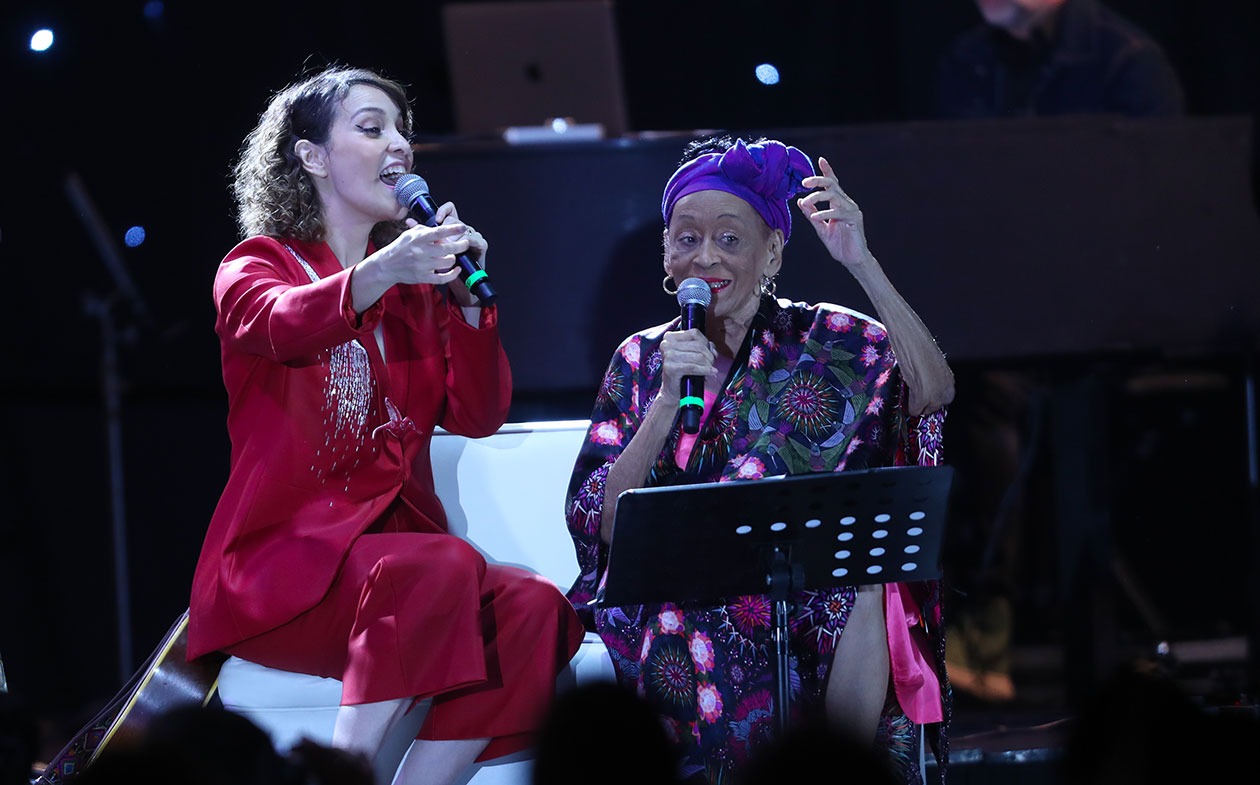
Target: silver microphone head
[(694, 291), (408, 187)]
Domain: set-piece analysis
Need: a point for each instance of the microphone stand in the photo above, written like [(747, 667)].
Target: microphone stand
[(101, 308)]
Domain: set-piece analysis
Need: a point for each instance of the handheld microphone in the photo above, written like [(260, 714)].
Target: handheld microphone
[(412, 192), (694, 297)]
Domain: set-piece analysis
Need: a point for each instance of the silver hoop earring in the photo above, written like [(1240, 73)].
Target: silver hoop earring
[(768, 285), (665, 285)]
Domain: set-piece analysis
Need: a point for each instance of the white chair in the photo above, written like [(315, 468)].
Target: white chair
[(505, 495)]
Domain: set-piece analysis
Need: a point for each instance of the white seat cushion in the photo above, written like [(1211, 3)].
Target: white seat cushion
[(292, 706)]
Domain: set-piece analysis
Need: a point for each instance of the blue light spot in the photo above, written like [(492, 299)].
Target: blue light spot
[(767, 74), (154, 9), (134, 236), (41, 40)]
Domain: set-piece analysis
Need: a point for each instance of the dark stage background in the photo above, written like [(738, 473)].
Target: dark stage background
[(1114, 260)]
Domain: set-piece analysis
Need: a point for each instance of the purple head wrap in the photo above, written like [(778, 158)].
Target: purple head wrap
[(765, 174)]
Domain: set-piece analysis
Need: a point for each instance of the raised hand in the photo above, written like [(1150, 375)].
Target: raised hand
[(839, 223)]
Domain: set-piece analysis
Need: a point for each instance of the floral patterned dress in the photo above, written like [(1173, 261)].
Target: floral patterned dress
[(815, 388)]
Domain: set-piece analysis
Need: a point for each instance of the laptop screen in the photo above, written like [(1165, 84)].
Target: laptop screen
[(525, 63)]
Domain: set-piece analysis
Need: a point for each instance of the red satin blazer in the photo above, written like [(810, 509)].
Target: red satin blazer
[(326, 432)]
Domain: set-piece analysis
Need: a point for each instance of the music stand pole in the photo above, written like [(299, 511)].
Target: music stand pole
[(777, 536), (782, 578)]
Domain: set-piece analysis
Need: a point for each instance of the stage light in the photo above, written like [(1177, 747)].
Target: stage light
[(154, 10), (41, 40), (767, 74), (134, 236)]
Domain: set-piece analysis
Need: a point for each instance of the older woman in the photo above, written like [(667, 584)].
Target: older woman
[(789, 388)]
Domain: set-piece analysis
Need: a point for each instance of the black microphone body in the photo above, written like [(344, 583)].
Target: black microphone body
[(694, 297), (412, 192)]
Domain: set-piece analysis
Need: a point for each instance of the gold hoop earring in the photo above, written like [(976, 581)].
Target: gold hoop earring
[(665, 285), (768, 285)]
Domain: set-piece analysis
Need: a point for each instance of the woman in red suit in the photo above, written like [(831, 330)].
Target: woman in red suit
[(346, 337)]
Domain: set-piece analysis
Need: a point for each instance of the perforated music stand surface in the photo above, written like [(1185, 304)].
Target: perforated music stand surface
[(712, 540)]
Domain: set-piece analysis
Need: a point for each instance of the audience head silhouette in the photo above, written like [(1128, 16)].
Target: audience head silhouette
[(1142, 727), (212, 746), (815, 751), (568, 752)]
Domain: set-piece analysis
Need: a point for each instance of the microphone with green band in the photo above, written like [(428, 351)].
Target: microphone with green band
[(412, 192), (694, 297)]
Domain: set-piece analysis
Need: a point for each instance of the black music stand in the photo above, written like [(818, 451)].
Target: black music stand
[(777, 536)]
